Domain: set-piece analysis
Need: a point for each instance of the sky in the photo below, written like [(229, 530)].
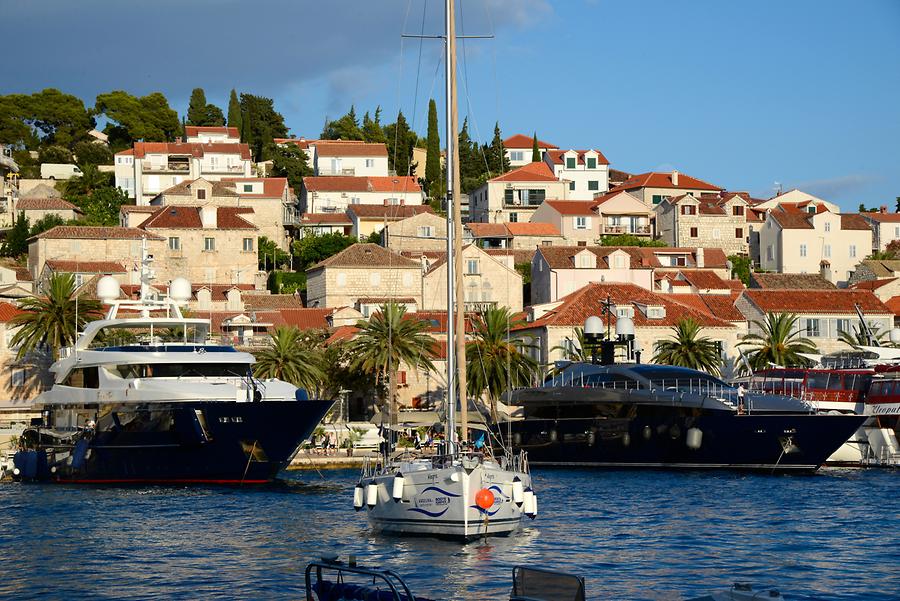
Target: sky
[(746, 95)]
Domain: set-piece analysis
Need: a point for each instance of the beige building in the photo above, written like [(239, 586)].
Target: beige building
[(705, 220), (512, 236), (885, 228), (335, 194), (822, 314), (84, 271), (557, 271), (20, 379), (577, 221), (519, 149), (422, 231), (623, 213), (488, 281), (652, 187), (35, 209), (796, 241), (514, 196), (585, 172), (366, 220), (364, 276), (799, 198), (319, 224)]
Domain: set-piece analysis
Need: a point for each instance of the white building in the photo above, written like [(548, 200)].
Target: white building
[(800, 198), (585, 171), (885, 228), (514, 196), (349, 157), (211, 134), (334, 193), (519, 149)]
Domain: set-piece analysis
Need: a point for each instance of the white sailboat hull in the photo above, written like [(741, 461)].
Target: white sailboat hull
[(441, 501)]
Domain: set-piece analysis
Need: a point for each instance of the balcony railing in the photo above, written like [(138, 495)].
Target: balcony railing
[(522, 204), (348, 171), (206, 168), (152, 168), (290, 217), (627, 229)]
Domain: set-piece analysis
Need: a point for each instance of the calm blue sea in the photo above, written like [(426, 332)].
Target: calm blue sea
[(633, 535)]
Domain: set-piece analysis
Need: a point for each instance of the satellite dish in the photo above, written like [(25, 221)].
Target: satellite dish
[(180, 290), (108, 288)]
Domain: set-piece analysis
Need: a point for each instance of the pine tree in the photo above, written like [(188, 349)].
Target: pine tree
[(535, 150), (371, 130), (196, 114), (345, 128), (400, 142), (433, 151), (471, 165), (496, 155), (234, 112)]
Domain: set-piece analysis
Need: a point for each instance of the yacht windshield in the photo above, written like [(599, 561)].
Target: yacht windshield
[(183, 370), (679, 378)]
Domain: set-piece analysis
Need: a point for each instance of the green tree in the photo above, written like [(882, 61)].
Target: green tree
[(579, 351), (148, 118), (16, 242), (686, 348), (234, 112), (270, 256), (494, 359), (472, 169), (90, 180), (345, 128), (375, 237), (52, 320), (47, 222), (371, 128), (290, 161), (312, 248), (400, 142), (196, 113), (44, 118), (496, 154), (388, 340), (855, 337), (102, 206), (778, 342), (262, 123), (91, 153), (433, 152), (292, 357), (741, 268), (897, 205), (54, 154), (535, 150), (630, 240)]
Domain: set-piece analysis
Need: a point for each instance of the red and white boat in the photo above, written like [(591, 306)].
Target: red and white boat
[(883, 405)]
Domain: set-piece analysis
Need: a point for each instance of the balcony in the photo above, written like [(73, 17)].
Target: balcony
[(176, 167), (637, 230), (349, 171), (207, 168), (478, 306), (290, 216)]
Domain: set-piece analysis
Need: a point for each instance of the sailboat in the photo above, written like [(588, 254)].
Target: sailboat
[(460, 492)]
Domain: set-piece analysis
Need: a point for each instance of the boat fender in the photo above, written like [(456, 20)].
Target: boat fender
[(518, 491), (626, 439), (591, 438), (648, 432), (694, 438), (397, 488), (371, 494), (517, 439), (529, 504), (675, 432), (553, 435), (359, 494)]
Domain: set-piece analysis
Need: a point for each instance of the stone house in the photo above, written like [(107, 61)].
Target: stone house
[(514, 196), (363, 276), (586, 172), (366, 220), (421, 231), (577, 221), (623, 213), (20, 379), (705, 220), (83, 271), (488, 280), (653, 186), (557, 271), (513, 236), (35, 209)]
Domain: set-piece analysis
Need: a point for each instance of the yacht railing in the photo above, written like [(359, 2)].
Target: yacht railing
[(699, 386)]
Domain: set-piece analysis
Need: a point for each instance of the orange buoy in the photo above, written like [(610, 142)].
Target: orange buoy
[(484, 499)]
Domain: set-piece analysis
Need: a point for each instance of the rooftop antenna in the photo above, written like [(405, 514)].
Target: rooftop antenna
[(777, 188)]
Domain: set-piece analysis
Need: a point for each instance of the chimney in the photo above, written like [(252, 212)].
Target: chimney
[(701, 260), (209, 217), (883, 209), (674, 177)]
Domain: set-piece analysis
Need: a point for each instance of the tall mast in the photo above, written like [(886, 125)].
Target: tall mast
[(452, 158)]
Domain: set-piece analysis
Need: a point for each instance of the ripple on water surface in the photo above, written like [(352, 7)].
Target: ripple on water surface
[(633, 535)]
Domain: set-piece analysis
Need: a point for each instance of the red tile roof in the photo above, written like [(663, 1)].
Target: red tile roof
[(815, 301), (883, 217), (192, 131), (273, 187), (325, 219), (488, 230), (872, 284), (704, 279), (576, 307), (217, 188), (307, 319), (366, 255), (532, 172), (85, 266), (853, 221), (532, 229), (188, 218), (217, 291), (263, 301), (572, 207), (388, 212), (894, 305), (350, 148), (558, 156), (519, 141), (194, 149), (722, 306), (655, 179), (347, 183), (45, 204), (8, 311), (84, 232), (342, 333)]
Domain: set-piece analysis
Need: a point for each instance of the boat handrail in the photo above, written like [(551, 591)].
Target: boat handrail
[(399, 591)]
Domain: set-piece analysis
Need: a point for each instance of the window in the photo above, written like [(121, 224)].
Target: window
[(209, 244), (581, 223), (688, 210), (79, 280), (201, 194), (737, 210), (619, 262), (393, 201), (513, 217), (827, 226), (570, 162), (693, 232), (342, 279), (843, 325), (827, 251), (717, 234), (508, 195), (739, 232), (852, 251), (370, 162), (571, 185), (897, 231), (657, 198), (174, 243), (248, 245), (591, 163), (802, 250), (18, 378), (248, 187), (472, 267), (770, 256), (593, 185), (375, 278), (536, 197), (584, 261), (516, 155), (426, 231), (812, 328)]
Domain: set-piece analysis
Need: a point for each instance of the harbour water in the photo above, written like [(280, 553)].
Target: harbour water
[(633, 535)]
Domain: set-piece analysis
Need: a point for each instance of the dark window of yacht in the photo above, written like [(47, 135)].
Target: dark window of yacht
[(83, 377), (819, 381)]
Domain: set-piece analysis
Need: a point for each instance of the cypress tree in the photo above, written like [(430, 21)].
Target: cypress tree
[(496, 155), (234, 112), (196, 114), (433, 150), (535, 150)]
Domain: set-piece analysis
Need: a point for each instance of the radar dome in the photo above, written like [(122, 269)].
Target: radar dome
[(593, 326), (624, 326), (108, 288), (180, 290), (895, 336)]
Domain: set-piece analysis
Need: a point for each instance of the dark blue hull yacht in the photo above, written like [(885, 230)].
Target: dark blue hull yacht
[(654, 416)]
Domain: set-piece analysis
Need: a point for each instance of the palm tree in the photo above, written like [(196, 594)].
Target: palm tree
[(687, 348), (90, 179), (391, 338), (578, 352), (53, 320), (856, 338), (290, 357), (495, 361), (779, 342)]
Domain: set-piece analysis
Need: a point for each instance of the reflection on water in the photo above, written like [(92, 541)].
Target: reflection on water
[(633, 535)]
